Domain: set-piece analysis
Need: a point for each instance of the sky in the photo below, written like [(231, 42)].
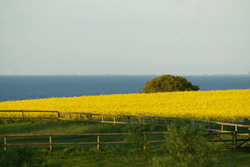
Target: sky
[(129, 37)]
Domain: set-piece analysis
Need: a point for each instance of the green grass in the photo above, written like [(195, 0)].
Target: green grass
[(89, 156), (236, 158), (56, 127), (93, 158)]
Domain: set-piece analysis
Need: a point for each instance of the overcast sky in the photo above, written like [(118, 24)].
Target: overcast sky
[(190, 37)]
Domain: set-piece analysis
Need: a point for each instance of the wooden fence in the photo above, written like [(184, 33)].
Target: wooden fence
[(50, 142), (234, 143), (216, 129), (119, 119)]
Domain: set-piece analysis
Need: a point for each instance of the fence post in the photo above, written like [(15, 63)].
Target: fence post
[(98, 142), (90, 116), (22, 115), (5, 143), (222, 127), (235, 139), (114, 120), (80, 116), (58, 115), (145, 141), (235, 128), (50, 143), (127, 119), (209, 125), (166, 122), (69, 115), (213, 139), (102, 118)]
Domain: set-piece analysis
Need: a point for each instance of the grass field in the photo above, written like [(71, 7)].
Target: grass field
[(207, 105), (113, 155)]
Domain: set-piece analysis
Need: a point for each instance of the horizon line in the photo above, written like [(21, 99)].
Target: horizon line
[(123, 74)]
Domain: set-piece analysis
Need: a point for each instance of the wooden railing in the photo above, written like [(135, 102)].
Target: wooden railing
[(56, 114), (119, 119), (62, 115), (236, 142), (215, 128), (50, 142)]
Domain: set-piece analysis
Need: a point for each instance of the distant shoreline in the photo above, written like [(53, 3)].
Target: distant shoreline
[(199, 75)]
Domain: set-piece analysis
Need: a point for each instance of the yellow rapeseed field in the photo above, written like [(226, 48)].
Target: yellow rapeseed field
[(206, 105)]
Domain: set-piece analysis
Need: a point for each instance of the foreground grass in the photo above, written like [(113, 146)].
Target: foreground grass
[(77, 157), (227, 158), (110, 155)]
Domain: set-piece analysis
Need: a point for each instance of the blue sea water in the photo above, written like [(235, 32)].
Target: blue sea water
[(34, 87)]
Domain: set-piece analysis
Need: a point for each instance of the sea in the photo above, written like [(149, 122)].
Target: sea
[(37, 87)]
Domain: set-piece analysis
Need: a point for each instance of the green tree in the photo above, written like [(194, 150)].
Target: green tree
[(186, 146), (168, 83)]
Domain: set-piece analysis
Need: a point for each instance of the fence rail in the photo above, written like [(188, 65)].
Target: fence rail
[(116, 119), (236, 143), (50, 142), (236, 129), (233, 143)]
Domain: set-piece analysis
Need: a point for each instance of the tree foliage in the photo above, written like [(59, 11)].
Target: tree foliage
[(186, 146), (168, 83)]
